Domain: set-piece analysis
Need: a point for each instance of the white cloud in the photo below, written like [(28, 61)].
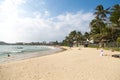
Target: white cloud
[(75, 21), (15, 28)]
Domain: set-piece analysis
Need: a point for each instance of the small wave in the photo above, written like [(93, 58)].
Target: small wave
[(50, 47), (16, 51)]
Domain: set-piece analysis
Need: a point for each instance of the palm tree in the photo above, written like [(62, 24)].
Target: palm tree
[(116, 8), (86, 35), (98, 24), (115, 21), (101, 12), (79, 38), (101, 16), (115, 15), (104, 28), (73, 36)]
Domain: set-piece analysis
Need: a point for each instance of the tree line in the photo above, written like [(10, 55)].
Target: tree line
[(75, 37), (105, 27)]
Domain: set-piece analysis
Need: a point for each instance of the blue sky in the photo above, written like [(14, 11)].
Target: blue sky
[(56, 7), (61, 6), (46, 20)]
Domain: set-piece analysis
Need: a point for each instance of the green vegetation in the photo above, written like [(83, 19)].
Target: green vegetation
[(98, 25), (118, 40), (73, 37), (105, 29)]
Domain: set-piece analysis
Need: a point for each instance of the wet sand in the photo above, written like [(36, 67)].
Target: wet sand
[(72, 64)]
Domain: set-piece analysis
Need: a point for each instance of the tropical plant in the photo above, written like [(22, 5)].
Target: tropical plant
[(73, 37), (98, 24), (115, 15), (104, 27), (101, 13)]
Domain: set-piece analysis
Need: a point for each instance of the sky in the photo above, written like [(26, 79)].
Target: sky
[(46, 20)]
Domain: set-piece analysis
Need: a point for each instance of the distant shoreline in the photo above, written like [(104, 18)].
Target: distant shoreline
[(29, 55)]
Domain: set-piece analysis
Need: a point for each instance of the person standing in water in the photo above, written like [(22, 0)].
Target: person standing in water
[(8, 55)]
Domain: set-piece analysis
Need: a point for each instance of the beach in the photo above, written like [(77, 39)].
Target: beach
[(71, 64), (10, 53)]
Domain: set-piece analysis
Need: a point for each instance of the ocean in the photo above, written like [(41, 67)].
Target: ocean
[(10, 53)]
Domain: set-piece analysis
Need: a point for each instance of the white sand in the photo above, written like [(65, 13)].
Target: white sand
[(72, 64)]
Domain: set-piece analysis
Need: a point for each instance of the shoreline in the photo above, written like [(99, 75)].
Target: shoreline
[(71, 64), (28, 55)]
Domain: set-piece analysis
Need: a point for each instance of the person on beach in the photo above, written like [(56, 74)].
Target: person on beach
[(8, 55), (101, 52)]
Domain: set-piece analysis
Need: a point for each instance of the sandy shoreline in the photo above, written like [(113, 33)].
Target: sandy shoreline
[(72, 64), (28, 55)]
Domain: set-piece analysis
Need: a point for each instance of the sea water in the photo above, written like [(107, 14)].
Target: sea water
[(18, 52)]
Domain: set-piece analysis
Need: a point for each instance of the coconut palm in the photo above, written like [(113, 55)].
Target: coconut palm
[(79, 38), (73, 36), (115, 15), (116, 8), (97, 24), (115, 23), (101, 13), (101, 17)]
